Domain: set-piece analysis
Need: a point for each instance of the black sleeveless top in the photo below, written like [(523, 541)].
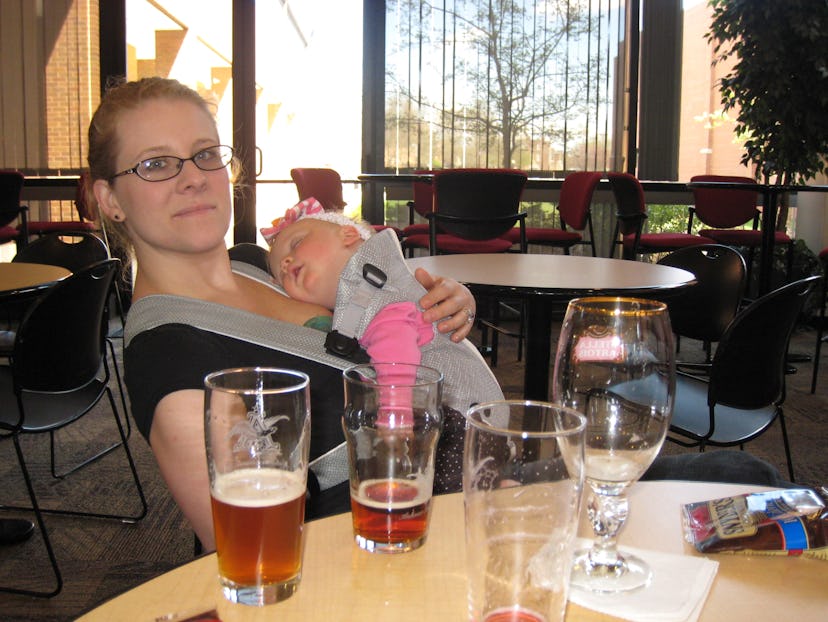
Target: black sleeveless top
[(174, 357)]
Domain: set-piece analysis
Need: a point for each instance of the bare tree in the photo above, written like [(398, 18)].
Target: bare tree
[(521, 59), (511, 70)]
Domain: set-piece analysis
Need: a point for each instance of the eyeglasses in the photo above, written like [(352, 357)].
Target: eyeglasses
[(162, 168)]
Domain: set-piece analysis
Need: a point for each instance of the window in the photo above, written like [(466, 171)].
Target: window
[(531, 85)]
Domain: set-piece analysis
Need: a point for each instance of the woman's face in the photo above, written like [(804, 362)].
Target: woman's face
[(189, 213)]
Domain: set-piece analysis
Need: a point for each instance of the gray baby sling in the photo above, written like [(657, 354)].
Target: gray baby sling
[(467, 377)]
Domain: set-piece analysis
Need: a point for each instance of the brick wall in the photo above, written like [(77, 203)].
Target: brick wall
[(71, 80)]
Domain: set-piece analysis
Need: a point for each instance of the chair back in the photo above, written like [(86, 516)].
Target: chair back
[(324, 184), (576, 198), (73, 251), (631, 210), (250, 253), (60, 341), (723, 208), (703, 311), (423, 196), (11, 185), (478, 204), (749, 364)]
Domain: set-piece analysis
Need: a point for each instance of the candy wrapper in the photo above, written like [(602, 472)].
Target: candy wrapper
[(779, 522)]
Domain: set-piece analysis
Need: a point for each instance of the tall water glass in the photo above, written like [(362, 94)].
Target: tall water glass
[(523, 472), (257, 428), (616, 365), (392, 422)]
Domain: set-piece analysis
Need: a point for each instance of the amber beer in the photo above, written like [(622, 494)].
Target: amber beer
[(391, 514), (258, 516)]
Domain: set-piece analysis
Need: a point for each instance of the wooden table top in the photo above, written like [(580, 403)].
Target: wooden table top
[(22, 278), (342, 582)]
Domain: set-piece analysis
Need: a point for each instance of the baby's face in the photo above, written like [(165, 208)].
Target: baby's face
[(306, 259)]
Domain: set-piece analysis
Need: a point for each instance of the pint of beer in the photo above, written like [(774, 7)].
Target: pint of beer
[(257, 428), (392, 423)]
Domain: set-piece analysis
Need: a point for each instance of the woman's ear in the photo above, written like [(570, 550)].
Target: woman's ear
[(107, 202)]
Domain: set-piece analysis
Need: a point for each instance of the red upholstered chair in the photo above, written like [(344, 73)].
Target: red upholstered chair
[(86, 221), (325, 185), (630, 216), (422, 204), (11, 184), (470, 210), (574, 211), (724, 210)]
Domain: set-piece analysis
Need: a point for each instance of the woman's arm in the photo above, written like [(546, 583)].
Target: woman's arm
[(177, 440), (448, 302)]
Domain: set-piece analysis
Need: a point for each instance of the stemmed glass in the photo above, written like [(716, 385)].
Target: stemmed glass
[(615, 364)]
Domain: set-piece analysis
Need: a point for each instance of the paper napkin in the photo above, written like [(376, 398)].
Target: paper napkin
[(676, 593)]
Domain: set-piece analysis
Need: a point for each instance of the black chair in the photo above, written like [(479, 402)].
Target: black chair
[(703, 311), (250, 253), (75, 251), (631, 215), (11, 184), (473, 210), (55, 378), (469, 211), (72, 251), (746, 387)]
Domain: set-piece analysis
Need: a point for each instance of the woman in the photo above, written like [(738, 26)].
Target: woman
[(172, 210)]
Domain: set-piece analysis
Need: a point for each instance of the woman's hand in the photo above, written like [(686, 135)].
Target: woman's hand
[(447, 302)]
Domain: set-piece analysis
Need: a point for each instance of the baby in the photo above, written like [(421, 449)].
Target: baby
[(309, 250), (338, 263)]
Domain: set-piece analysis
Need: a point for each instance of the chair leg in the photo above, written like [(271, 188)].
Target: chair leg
[(787, 446), (495, 335), (121, 391), (817, 354), (77, 467), (42, 526), (124, 518), (820, 335)]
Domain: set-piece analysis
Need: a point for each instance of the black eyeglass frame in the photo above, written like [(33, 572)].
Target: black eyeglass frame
[(180, 163)]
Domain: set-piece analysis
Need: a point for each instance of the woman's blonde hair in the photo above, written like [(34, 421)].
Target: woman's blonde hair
[(120, 97)]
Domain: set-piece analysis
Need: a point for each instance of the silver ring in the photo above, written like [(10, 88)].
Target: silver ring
[(470, 315)]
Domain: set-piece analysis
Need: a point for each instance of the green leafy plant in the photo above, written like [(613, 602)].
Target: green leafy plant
[(778, 85)]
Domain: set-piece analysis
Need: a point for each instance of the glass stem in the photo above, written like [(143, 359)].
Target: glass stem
[(607, 514)]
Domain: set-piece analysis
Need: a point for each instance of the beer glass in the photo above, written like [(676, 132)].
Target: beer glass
[(392, 421), (523, 473), (257, 429)]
